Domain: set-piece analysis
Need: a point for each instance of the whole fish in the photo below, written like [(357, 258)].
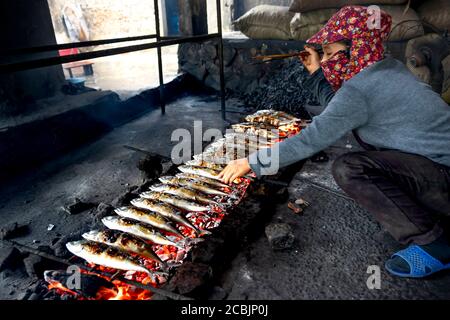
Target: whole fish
[(138, 229), (256, 129), (165, 210), (124, 241), (104, 255), (213, 182), (196, 185), (175, 201), (182, 192), (154, 219), (205, 172), (201, 163)]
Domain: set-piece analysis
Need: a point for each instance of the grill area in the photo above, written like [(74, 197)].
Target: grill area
[(192, 267)]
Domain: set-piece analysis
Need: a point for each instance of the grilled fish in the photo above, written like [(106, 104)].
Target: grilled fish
[(196, 185), (182, 192), (252, 129), (101, 254), (124, 241), (138, 229), (163, 209), (200, 163), (175, 201), (213, 182), (205, 172), (154, 219)]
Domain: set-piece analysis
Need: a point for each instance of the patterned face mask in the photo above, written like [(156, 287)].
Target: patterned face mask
[(352, 23), (335, 69)]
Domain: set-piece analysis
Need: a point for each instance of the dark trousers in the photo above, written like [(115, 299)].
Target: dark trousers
[(407, 193)]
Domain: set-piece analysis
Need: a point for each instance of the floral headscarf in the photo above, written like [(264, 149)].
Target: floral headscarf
[(365, 29)]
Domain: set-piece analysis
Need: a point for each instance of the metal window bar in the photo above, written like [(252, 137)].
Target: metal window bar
[(160, 42)]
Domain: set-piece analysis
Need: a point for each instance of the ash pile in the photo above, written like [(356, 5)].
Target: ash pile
[(284, 91)]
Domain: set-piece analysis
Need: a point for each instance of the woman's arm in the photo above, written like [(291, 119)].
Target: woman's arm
[(316, 82), (319, 86), (347, 111)]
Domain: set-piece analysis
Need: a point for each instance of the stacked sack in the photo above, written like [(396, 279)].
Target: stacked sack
[(306, 17)]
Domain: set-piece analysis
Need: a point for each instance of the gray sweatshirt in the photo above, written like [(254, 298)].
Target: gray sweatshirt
[(386, 105)]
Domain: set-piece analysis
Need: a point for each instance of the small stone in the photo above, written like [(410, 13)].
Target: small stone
[(77, 206), (280, 236), (50, 227)]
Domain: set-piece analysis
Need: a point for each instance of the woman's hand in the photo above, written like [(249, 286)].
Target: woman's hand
[(235, 169), (312, 61)]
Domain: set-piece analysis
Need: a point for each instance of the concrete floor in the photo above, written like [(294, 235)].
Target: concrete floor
[(336, 240)]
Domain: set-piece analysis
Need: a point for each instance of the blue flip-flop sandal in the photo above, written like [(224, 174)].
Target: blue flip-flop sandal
[(421, 263)]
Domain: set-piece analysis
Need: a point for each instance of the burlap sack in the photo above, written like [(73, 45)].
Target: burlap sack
[(405, 25), (308, 5), (305, 25), (266, 22), (436, 13)]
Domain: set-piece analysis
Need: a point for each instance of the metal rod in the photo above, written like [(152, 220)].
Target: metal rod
[(326, 189), (147, 287), (162, 100), (46, 62), (80, 44), (221, 60)]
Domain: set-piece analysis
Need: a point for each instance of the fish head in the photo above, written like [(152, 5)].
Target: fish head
[(75, 247), (158, 187), (121, 210), (166, 179), (110, 221), (91, 235)]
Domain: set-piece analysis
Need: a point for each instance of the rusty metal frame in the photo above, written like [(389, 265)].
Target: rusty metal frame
[(161, 41)]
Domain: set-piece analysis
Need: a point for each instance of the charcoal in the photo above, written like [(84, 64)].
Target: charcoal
[(13, 230), (77, 206), (60, 249), (284, 90), (103, 210), (151, 166), (9, 258), (189, 277), (34, 297), (124, 200), (218, 293), (280, 236), (89, 284), (32, 263)]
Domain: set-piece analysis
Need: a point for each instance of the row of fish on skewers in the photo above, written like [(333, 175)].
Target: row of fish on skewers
[(127, 243)]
